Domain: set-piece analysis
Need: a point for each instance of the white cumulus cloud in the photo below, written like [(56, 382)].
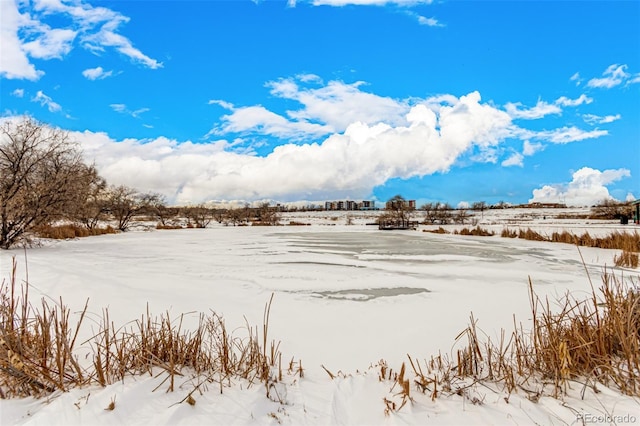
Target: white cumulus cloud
[(324, 109), (46, 101), (582, 99), (97, 73), (340, 141), (516, 159), (349, 163), (430, 22), (14, 62), (529, 148), (569, 134), (122, 109), (53, 43), (596, 119), (576, 77), (613, 76), (540, 110), (27, 32), (587, 187)]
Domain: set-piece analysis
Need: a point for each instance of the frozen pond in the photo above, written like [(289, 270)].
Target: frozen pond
[(343, 296)]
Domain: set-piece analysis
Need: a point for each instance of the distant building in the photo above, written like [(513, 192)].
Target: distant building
[(350, 205), (395, 205), (367, 205)]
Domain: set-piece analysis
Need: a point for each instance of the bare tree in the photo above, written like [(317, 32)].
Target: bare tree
[(397, 210), (154, 204), (430, 212), (200, 215), (267, 215), (479, 206), (90, 205), (460, 216), (444, 213), (122, 203), (220, 215), (611, 209), (235, 217), (41, 170)]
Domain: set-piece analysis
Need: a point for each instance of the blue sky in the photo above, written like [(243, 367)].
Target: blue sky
[(453, 101)]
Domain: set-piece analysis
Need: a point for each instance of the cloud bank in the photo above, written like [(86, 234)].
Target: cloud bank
[(349, 163), (587, 187), (339, 142)]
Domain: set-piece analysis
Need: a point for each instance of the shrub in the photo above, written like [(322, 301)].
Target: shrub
[(62, 232)]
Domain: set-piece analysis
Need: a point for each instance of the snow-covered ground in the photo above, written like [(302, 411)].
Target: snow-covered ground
[(345, 296)]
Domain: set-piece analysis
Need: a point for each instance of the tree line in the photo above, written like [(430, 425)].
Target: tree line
[(44, 179)]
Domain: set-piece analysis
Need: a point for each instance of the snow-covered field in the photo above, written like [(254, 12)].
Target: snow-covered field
[(345, 296)]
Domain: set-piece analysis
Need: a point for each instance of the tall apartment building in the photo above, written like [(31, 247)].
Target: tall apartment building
[(350, 205)]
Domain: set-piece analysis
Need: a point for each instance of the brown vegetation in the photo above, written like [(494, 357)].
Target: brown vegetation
[(41, 175), (590, 341), (611, 209), (629, 242), (626, 259), (161, 226), (596, 340), (62, 232), (440, 230), (39, 349), (43, 180), (477, 231)]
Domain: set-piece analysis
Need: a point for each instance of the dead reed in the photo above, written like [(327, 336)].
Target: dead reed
[(616, 240), (595, 340), (440, 230), (477, 231), (62, 232), (626, 259), (168, 226), (36, 344), (508, 233), (39, 348), (592, 340)]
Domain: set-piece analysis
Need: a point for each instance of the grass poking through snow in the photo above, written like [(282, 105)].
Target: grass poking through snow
[(589, 342), (39, 349)]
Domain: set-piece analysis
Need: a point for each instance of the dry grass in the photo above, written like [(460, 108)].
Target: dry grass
[(440, 230), (508, 233), (62, 232), (39, 349), (596, 340), (530, 234), (477, 231), (629, 243), (36, 344), (161, 226), (616, 240), (589, 341), (626, 259)]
